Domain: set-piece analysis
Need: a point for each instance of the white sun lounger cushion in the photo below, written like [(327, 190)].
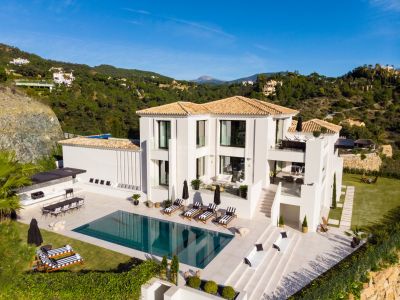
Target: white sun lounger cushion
[(58, 251)]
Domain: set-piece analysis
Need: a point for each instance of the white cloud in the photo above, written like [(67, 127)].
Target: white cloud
[(387, 5)]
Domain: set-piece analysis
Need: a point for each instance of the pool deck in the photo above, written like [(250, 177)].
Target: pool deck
[(279, 275)]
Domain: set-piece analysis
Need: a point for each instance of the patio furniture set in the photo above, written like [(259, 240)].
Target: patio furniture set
[(58, 208), (198, 213), (49, 260)]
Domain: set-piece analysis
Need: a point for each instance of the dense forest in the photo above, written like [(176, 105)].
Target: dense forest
[(105, 98)]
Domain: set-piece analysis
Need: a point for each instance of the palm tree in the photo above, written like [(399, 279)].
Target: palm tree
[(13, 175)]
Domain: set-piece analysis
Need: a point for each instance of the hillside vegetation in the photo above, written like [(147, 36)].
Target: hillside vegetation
[(105, 98)]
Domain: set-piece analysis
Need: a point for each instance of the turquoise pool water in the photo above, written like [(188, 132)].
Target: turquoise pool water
[(194, 246)]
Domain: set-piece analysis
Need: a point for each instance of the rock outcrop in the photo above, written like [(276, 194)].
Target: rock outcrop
[(384, 284), (27, 127)]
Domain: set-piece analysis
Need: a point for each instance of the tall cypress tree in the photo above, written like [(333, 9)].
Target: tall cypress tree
[(334, 192)]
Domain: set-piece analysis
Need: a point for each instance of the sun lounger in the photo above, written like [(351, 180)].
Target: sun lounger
[(282, 242), (228, 216), (178, 204), (67, 249), (255, 257), (210, 212), (48, 264), (193, 212), (324, 225)]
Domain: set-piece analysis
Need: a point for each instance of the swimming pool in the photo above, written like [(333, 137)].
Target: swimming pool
[(194, 246)]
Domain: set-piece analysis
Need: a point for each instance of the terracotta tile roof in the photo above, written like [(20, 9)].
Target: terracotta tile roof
[(179, 108), (316, 125), (236, 105), (111, 143)]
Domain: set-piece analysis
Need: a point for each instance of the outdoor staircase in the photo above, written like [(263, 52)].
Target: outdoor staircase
[(265, 278), (266, 200)]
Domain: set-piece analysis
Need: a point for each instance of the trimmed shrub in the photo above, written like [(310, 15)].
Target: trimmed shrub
[(304, 224), (228, 293), (194, 282), (211, 287), (334, 192), (281, 221), (316, 133)]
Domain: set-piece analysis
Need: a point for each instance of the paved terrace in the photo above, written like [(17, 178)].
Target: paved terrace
[(278, 275)]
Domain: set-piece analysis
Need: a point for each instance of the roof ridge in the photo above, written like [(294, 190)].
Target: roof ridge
[(180, 104), (252, 104)]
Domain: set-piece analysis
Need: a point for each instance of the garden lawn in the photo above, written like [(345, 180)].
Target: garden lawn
[(372, 201), (95, 258)]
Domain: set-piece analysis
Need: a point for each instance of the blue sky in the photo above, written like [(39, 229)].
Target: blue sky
[(224, 39)]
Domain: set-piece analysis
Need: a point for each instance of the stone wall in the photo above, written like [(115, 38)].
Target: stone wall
[(372, 162), (383, 285)]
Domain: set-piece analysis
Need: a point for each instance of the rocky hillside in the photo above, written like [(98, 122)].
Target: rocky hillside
[(27, 127)]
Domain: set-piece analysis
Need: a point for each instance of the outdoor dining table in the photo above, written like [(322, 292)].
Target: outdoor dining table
[(53, 206)]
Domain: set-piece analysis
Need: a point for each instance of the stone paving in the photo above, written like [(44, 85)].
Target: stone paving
[(345, 222)]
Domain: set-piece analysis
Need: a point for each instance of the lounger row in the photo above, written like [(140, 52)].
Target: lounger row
[(100, 181), (200, 214)]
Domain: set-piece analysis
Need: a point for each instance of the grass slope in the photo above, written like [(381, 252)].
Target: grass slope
[(96, 258), (372, 201)]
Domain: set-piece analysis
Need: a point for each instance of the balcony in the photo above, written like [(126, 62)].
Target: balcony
[(288, 151)]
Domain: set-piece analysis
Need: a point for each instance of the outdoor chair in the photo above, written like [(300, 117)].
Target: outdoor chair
[(193, 212), (45, 211), (56, 211), (73, 205), (51, 253), (65, 208), (227, 217), (178, 204), (208, 213), (80, 203)]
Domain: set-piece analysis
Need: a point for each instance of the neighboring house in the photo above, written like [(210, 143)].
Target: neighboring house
[(270, 87), (240, 141), (247, 82), (351, 123), (62, 77), (19, 61)]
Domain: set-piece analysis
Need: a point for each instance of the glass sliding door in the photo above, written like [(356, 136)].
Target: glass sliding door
[(200, 133), (200, 167), (164, 134), (163, 172), (231, 165), (233, 133)]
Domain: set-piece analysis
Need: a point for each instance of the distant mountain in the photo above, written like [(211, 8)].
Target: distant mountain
[(254, 77), (208, 80)]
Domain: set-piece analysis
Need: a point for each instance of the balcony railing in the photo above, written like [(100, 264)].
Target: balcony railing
[(293, 145)]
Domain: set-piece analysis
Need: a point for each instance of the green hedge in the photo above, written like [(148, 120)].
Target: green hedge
[(347, 276), (381, 173), (90, 285)]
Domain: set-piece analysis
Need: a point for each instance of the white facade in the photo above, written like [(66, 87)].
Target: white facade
[(19, 61), (61, 77)]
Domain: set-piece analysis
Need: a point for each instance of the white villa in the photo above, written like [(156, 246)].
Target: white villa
[(62, 77), (231, 142), (19, 61)]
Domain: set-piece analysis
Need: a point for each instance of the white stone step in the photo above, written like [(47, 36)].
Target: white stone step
[(280, 269), (248, 273), (241, 268)]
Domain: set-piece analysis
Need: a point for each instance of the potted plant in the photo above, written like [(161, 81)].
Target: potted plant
[(316, 133), (357, 235), (136, 198), (196, 184), (211, 287), (167, 203), (194, 282), (304, 225), (243, 191), (281, 222), (228, 293)]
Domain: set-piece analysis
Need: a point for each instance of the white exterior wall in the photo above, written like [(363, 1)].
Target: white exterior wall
[(117, 166)]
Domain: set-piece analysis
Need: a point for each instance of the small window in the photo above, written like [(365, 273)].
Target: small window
[(91, 180), (108, 183), (101, 181), (201, 133), (96, 181)]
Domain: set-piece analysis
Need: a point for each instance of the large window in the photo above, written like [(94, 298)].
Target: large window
[(163, 172), (164, 134), (200, 166), (201, 133), (234, 166), (233, 133)]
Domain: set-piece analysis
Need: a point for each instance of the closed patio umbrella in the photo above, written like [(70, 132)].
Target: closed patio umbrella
[(185, 192), (34, 235), (217, 195), (299, 125)]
